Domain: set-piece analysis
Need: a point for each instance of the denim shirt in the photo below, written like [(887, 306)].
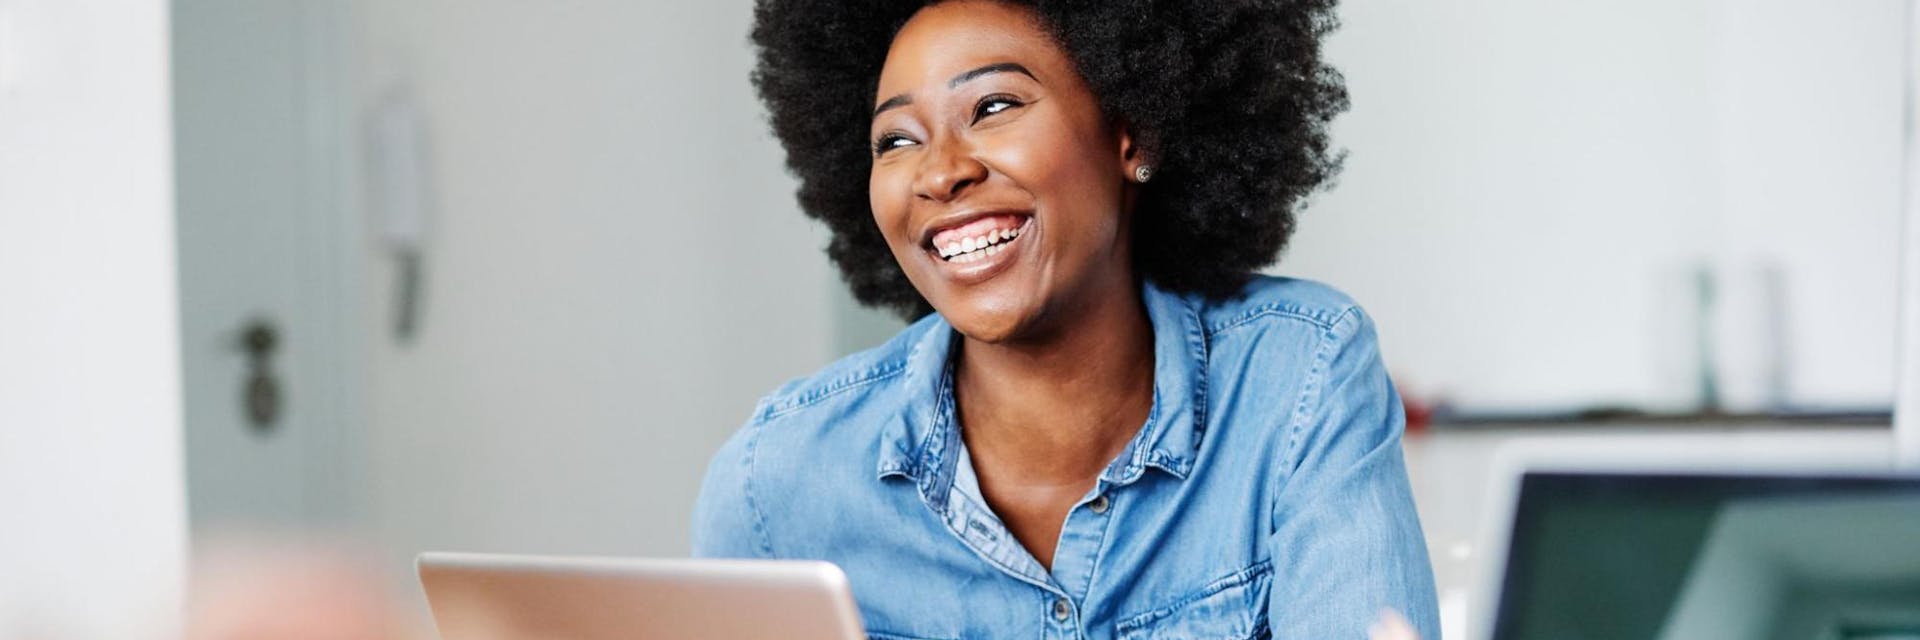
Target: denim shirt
[(1266, 495)]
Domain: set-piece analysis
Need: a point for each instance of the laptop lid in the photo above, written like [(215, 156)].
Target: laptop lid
[(1665, 555), (506, 597)]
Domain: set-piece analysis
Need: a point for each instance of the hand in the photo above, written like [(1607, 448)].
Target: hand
[(1391, 626)]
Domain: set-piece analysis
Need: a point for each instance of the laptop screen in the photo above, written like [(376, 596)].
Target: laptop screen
[(1619, 556)]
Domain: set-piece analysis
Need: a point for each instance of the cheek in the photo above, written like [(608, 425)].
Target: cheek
[(1064, 173), (889, 194)]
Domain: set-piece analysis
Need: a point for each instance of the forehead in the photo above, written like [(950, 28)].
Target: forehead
[(947, 38)]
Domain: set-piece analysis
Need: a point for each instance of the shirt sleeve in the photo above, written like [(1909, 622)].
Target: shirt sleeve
[(1347, 541), (726, 523)]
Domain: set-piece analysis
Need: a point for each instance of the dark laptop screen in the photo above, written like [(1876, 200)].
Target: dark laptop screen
[(1640, 557)]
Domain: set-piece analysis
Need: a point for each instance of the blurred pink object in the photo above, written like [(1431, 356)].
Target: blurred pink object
[(248, 589), (1391, 626)]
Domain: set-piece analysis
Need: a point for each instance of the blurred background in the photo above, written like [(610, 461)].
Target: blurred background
[(386, 276)]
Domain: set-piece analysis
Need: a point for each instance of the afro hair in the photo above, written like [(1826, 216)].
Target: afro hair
[(1230, 98)]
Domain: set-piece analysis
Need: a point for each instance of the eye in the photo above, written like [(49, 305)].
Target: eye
[(994, 104), (889, 142)]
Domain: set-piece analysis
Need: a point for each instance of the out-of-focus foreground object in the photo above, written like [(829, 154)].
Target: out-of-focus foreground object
[(255, 589)]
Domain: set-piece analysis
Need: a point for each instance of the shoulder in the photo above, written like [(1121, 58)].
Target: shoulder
[(840, 401), (834, 415), (1273, 303), (842, 384), (1319, 345), (1295, 349)]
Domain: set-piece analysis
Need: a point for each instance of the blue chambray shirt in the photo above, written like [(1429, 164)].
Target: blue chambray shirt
[(1266, 495)]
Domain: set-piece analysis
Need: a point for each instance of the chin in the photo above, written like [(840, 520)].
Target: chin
[(992, 317)]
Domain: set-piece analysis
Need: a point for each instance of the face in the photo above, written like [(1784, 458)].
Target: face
[(1000, 187)]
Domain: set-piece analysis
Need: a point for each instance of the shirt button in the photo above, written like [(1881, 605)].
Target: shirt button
[(1100, 504), (1062, 610)]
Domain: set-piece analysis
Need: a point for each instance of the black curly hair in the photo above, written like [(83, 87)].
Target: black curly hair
[(1230, 98)]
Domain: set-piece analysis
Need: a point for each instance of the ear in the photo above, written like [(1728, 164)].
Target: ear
[(1133, 152)]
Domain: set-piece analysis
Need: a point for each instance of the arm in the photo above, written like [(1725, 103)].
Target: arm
[(1346, 541), (726, 522)]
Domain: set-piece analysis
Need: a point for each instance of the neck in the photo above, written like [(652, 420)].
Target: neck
[(1059, 407)]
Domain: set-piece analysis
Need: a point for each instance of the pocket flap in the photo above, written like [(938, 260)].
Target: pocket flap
[(1231, 608)]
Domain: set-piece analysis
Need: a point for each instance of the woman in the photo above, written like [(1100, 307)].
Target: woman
[(1108, 427)]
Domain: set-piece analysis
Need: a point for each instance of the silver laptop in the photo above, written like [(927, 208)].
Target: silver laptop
[(1697, 556), (502, 597)]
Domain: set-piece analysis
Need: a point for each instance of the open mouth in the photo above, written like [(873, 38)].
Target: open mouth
[(978, 239)]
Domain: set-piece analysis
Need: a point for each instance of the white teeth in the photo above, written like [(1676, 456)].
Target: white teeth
[(978, 247)]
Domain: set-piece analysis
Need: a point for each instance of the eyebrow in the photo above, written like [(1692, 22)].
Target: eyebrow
[(998, 67), (964, 77)]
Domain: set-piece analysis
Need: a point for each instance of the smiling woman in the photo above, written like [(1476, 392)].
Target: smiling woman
[(1232, 97), (1108, 427), (988, 121)]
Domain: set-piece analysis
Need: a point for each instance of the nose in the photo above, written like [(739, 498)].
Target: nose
[(947, 169)]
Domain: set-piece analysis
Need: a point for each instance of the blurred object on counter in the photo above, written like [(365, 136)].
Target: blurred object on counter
[(252, 587)]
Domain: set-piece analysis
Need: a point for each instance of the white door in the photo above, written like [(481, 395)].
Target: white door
[(264, 288)]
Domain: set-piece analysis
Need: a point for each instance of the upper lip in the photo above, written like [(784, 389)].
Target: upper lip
[(952, 220)]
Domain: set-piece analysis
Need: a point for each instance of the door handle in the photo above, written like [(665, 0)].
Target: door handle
[(261, 395)]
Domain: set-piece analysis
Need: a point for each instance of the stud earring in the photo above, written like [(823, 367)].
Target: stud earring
[(1142, 173)]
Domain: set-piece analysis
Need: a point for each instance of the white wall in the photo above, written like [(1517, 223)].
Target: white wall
[(1907, 411), (616, 271), (91, 482), (1529, 182)]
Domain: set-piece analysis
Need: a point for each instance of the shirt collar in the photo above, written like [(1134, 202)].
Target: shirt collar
[(919, 441)]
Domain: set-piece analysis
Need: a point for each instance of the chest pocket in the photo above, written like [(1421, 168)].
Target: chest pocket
[(1231, 608)]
